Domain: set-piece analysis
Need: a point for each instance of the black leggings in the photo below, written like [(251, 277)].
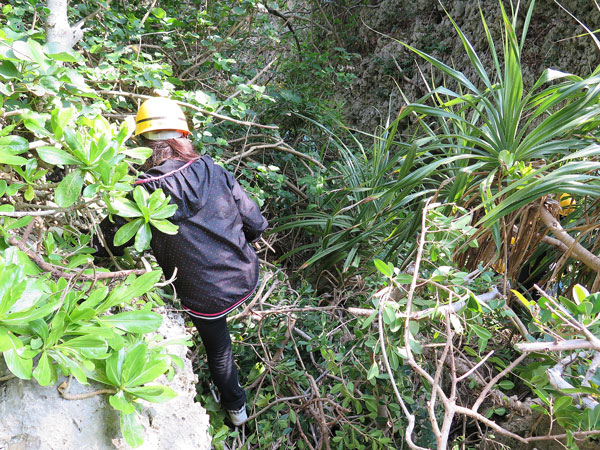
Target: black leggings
[(217, 343)]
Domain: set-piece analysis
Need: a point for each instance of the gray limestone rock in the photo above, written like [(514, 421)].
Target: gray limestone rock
[(34, 417)]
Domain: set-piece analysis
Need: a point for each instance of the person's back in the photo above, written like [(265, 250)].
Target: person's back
[(216, 221)]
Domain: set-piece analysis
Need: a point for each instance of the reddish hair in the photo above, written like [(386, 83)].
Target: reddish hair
[(177, 148)]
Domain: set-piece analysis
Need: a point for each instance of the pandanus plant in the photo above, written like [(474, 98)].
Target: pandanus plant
[(522, 148)]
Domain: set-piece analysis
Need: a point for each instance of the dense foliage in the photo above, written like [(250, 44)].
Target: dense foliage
[(385, 314)]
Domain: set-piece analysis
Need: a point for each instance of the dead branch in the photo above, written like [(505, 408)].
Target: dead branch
[(195, 108), (556, 380), (557, 346), (579, 251), (54, 270)]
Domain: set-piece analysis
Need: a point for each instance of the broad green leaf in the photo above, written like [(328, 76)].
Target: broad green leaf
[(580, 293), (113, 367), (53, 155), (8, 70), (159, 13), (88, 346), (384, 268), (155, 366), (127, 231), (164, 226), (36, 52), (132, 430), (373, 371), (13, 145), (17, 359), (22, 222), (45, 371), (367, 322), (134, 362), (126, 208), (155, 394), (139, 286), (140, 153), (143, 237), (389, 315), (95, 298), (82, 314), (137, 322), (71, 366), (30, 314), (404, 278), (120, 403), (69, 189), (164, 212), (481, 332), (562, 402), (506, 385), (8, 158), (5, 340), (79, 260), (63, 56), (140, 195)]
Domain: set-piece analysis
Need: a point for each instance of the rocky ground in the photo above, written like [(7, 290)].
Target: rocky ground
[(33, 417)]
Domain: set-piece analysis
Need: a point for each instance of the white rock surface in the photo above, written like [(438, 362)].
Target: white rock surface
[(33, 417)]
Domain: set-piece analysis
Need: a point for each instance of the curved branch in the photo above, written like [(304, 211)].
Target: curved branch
[(60, 273), (579, 251), (195, 108)]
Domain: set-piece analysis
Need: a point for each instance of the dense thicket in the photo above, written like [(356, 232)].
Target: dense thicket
[(385, 315)]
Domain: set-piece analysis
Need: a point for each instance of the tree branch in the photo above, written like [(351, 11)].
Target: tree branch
[(556, 346), (60, 273), (195, 108), (579, 251)]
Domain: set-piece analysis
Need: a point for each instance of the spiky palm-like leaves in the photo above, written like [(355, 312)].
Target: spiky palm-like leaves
[(526, 144)]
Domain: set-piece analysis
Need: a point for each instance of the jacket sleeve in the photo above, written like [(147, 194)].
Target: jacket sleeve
[(253, 221), (108, 230)]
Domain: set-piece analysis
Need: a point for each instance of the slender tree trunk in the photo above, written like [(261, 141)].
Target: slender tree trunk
[(60, 36)]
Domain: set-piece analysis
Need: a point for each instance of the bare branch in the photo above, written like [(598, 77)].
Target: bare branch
[(557, 346), (579, 251), (195, 108)]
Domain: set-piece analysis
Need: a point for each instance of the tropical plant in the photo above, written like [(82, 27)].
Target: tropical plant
[(523, 146), (371, 206)]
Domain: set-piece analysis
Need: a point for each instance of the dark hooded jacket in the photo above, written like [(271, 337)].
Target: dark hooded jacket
[(217, 269)]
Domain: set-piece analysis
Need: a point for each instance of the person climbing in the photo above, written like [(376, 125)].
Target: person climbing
[(217, 269)]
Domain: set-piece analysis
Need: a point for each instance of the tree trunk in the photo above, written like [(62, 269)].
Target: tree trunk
[(60, 37)]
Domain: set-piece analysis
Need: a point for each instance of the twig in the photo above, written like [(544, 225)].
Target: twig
[(321, 414), (150, 8), (475, 367), (575, 434), (556, 380), (60, 273), (64, 386), (49, 212), (494, 380), (407, 333), (195, 108), (276, 146), (409, 416), (270, 405)]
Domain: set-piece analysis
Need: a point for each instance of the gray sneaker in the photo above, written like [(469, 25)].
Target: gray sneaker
[(238, 417)]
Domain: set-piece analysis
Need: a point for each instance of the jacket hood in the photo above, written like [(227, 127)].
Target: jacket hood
[(189, 185)]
